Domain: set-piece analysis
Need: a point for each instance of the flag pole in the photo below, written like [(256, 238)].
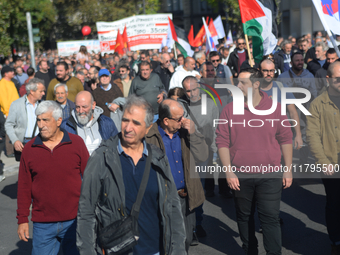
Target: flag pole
[(250, 63), (330, 34), (175, 51)]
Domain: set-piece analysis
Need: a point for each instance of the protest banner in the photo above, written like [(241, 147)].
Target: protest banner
[(143, 32), (70, 47)]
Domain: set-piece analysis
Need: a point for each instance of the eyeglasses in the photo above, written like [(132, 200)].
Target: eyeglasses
[(177, 120), (268, 71), (215, 60), (242, 43), (336, 80)]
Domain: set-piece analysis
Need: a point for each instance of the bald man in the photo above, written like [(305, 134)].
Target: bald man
[(87, 121), (165, 70), (323, 140), (183, 71), (178, 138)]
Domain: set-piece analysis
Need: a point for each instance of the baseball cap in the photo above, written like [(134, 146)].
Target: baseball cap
[(103, 72)]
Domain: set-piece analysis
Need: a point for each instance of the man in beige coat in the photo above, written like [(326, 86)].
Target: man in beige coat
[(177, 137)]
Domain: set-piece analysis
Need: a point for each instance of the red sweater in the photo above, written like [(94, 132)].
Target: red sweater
[(52, 179), (253, 146)]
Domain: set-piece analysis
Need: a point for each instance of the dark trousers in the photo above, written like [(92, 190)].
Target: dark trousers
[(2, 146), (189, 221), (265, 193), (332, 188), (9, 146)]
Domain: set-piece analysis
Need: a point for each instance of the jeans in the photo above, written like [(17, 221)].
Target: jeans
[(189, 221), (332, 188), (265, 193), (48, 237)]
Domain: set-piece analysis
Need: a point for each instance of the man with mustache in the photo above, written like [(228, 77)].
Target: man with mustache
[(61, 94), (88, 121)]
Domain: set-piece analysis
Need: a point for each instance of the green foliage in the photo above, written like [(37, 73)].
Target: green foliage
[(74, 14), (13, 25)]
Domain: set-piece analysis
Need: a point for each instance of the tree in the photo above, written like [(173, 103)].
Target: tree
[(13, 25), (73, 14)]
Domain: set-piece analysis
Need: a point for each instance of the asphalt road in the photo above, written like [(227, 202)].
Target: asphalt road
[(302, 211)]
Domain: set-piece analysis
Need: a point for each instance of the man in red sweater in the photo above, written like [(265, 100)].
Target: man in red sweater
[(50, 175), (250, 149)]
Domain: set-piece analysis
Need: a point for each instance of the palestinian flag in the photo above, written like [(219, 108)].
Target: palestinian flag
[(172, 36), (257, 23)]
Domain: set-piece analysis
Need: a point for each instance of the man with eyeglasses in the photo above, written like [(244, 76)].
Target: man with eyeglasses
[(124, 80), (323, 139), (182, 144), (237, 57), (267, 67), (222, 71)]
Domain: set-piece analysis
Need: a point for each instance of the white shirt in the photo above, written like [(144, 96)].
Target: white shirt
[(31, 119), (179, 75)]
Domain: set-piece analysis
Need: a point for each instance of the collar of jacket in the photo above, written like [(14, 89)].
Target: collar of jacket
[(324, 97), (110, 148), (66, 139)]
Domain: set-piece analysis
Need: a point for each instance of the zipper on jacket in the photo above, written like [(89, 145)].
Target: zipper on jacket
[(121, 210), (166, 194)]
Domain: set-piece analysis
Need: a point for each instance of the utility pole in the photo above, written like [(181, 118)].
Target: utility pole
[(30, 38)]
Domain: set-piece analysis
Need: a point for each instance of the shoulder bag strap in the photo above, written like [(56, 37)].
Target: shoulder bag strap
[(143, 184)]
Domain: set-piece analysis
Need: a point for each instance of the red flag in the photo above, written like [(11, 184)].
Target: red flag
[(212, 28), (199, 39), (191, 35), (125, 39), (119, 47)]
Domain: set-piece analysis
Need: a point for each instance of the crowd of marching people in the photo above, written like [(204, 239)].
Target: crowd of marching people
[(105, 141)]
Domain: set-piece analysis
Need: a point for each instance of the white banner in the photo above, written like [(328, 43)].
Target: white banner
[(143, 31), (70, 47)]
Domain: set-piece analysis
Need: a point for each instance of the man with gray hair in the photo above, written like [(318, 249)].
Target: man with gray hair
[(111, 181), (61, 94), (282, 57), (21, 125), (320, 53), (50, 177), (165, 70)]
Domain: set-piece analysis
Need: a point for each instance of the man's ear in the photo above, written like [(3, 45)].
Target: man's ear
[(59, 121), (93, 105), (256, 84)]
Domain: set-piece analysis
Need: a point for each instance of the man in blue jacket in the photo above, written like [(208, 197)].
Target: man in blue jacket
[(87, 121)]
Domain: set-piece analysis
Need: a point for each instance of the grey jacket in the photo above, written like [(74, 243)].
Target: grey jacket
[(103, 195), (16, 122)]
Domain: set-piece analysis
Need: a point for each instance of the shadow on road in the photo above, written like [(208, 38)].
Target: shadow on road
[(10, 190), (23, 248)]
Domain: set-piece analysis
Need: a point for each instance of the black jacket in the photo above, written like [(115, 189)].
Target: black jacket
[(233, 62), (279, 60), (165, 76), (313, 66), (320, 78), (2, 127)]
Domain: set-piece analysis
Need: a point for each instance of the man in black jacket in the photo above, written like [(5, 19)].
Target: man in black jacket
[(282, 57), (237, 57), (320, 53), (165, 70)]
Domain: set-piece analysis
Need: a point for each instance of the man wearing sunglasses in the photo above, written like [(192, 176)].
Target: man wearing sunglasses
[(222, 71), (182, 144), (323, 139), (165, 70), (237, 57)]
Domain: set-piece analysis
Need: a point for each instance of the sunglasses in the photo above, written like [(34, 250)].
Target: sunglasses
[(268, 71), (336, 80), (215, 61)]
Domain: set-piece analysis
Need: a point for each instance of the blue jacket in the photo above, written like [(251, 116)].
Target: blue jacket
[(106, 126)]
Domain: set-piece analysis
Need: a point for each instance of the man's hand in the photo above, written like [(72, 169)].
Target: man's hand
[(94, 86), (198, 76), (287, 179), (18, 146), (188, 125), (330, 170), (298, 142), (171, 68), (233, 181), (113, 107), (160, 98), (23, 231)]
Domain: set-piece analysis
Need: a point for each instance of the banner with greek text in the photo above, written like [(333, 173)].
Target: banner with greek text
[(144, 32), (70, 47)]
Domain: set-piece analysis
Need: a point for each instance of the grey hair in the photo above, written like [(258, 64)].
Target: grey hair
[(59, 85), (323, 45), (284, 43), (33, 85), (50, 106), (134, 100), (80, 72), (198, 55)]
